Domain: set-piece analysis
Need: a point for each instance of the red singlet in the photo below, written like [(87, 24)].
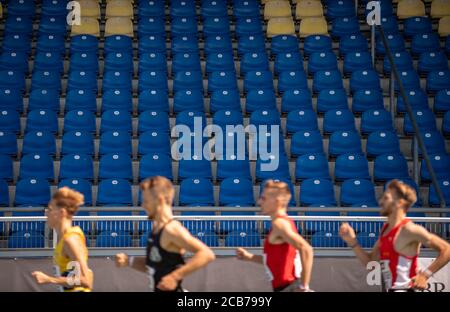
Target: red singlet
[(397, 269), (282, 261)]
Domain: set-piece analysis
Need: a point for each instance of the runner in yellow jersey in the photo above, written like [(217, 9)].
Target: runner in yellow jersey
[(70, 257)]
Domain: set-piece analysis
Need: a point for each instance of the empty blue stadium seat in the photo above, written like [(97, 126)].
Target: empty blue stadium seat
[(382, 142), (6, 167), (236, 191), (225, 99), (446, 124), (402, 60), (417, 25), (181, 44), (254, 61), (344, 26), (219, 62), (155, 165), (258, 80), (79, 120), (153, 121), (275, 166), (251, 43), (284, 44), (117, 100), (77, 142), (338, 120), (196, 192), (257, 99), (328, 79), (83, 79), (395, 42), (182, 8), (16, 42), (364, 79), (44, 99), (19, 25), (26, 239), (311, 166), (186, 62), (447, 45), (9, 121), (417, 98), (312, 189), (121, 80), (153, 99), (188, 100), (344, 141), (357, 191), (8, 143), (248, 26), (438, 80), (433, 199), (42, 142), (116, 120), (32, 192), (115, 142), (428, 42), (36, 166), (364, 100), (115, 166), (4, 197), (189, 117), (197, 167), (151, 8), (367, 239), (53, 25), (42, 120), (83, 43), (351, 166), (320, 61), (355, 61), (114, 192), (153, 141), (80, 185), (442, 101), (441, 166), (327, 240), (152, 43), (306, 142), (410, 80), (425, 118), (231, 167), (12, 79), (389, 21), (183, 25), (288, 61), (390, 166), (15, 61), (246, 8), (296, 99), (302, 119), (188, 80), (376, 120), (48, 61), (224, 118), (11, 99), (222, 80), (152, 61), (118, 43), (434, 142), (336, 9), (215, 44), (44, 79), (113, 239), (213, 8), (81, 99), (152, 80), (432, 61), (331, 99), (352, 43), (243, 239), (151, 26)]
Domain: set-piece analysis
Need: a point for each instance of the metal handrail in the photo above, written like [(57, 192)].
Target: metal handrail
[(420, 144)]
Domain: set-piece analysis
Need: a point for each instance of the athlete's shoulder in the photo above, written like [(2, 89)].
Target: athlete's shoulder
[(281, 223), (174, 227)]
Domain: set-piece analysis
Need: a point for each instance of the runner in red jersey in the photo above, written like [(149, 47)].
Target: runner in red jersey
[(399, 244), (288, 257)]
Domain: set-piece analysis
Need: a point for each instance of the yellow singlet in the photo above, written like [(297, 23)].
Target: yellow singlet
[(64, 265)]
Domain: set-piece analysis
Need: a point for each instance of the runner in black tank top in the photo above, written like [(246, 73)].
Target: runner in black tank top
[(159, 261)]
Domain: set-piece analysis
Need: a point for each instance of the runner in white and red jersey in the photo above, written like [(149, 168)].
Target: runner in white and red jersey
[(288, 257), (399, 244)]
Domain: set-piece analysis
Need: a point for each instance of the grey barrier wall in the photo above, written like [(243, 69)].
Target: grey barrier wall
[(225, 274)]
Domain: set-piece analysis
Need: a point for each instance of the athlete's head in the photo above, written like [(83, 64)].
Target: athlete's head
[(397, 195), (157, 193), (63, 205), (275, 197)]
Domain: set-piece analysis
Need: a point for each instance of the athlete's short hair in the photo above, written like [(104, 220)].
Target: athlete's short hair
[(159, 186), (68, 199), (280, 186), (403, 192)]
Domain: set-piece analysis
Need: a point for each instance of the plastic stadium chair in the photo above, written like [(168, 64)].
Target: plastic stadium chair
[(122, 80), (410, 80), (390, 166), (16, 42), (438, 80), (421, 43), (213, 44), (273, 9), (305, 9), (196, 192), (327, 239), (291, 80), (364, 79), (275, 167), (258, 80), (376, 120), (12, 79), (119, 61), (217, 25), (118, 43), (344, 25), (284, 44), (222, 81), (224, 118), (114, 192), (440, 164), (150, 8), (253, 61), (188, 100), (80, 185), (155, 165), (41, 142), (306, 142), (77, 166), (153, 121), (81, 79), (87, 26), (4, 197), (79, 120), (417, 25), (244, 239), (338, 120), (311, 166), (186, 62), (444, 27), (433, 199), (301, 120), (119, 26), (213, 8), (367, 239), (403, 61), (117, 100), (311, 189), (116, 120), (425, 120), (352, 43), (439, 8), (119, 8), (316, 43), (153, 99), (194, 168), (236, 191), (382, 142), (77, 142), (446, 124), (115, 142), (342, 142), (323, 60), (152, 43), (32, 192), (10, 121), (151, 26), (183, 25), (329, 99), (8, 143), (83, 99), (230, 168), (351, 166), (246, 8), (296, 99), (364, 100), (19, 24), (113, 239), (357, 191), (51, 42), (417, 98), (225, 99), (44, 99), (355, 61), (43, 79), (16, 61), (115, 165), (395, 41), (153, 141), (434, 142), (26, 239), (6, 168), (83, 43), (188, 80), (253, 25), (432, 61), (37, 166), (22, 8), (152, 61), (442, 101), (265, 117), (313, 26), (152, 80), (257, 99), (337, 8), (11, 99), (327, 79), (251, 43)]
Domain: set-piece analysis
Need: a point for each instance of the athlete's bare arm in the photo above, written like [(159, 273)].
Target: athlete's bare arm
[(243, 254), (348, 235), (177, 235), (416, 233), (138, 263), (282, 228), (75, 249)]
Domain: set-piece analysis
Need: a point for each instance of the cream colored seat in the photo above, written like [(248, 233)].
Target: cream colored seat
[(119, 8), (308, 8), (280, 26), (277, 8), (313, 26), (444, 26), (90, 8), (119, 26), (88, 26), (410, 8), (440, 8)]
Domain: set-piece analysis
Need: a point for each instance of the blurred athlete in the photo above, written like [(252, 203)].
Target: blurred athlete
[(399, 244), (167, 243), (71, 255), (287, 256)]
